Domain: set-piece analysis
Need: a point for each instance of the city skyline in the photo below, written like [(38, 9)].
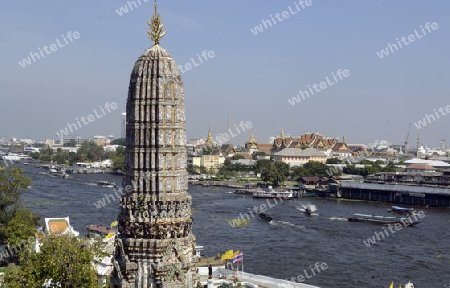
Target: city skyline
[(80, 55), (240, 135)]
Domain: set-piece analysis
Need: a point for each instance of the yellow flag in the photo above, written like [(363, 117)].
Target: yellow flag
[(227, 255), (236, 253), (115, 223)]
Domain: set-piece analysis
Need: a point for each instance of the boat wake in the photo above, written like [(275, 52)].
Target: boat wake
[(91, 184), (275, 222), (308, 209), (338, 219)]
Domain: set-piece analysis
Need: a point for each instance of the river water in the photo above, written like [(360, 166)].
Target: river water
[(283, 249)]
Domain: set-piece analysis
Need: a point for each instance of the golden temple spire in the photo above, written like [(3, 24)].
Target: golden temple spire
[(282, 132), (251, 143), (156, 26), (252, 138), (209, 139)]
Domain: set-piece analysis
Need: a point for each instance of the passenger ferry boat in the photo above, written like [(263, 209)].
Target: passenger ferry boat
[(382, 219), (14, 157), (270, 193)]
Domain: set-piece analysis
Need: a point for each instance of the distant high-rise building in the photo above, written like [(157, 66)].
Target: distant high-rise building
[(123, 125), (99, 140)]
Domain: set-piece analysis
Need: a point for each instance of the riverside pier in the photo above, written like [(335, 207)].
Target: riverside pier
[(399, 194)]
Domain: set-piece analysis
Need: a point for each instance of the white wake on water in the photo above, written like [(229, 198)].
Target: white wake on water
[(338, 218), (275, 222)]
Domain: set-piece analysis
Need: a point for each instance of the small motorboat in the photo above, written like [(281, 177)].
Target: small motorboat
[(106, 184), (308, 210), (56, 173), (401, 210), (264, 216)]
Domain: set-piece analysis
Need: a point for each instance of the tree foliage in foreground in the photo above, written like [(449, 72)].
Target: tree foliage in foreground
[(64, 259), (13, 217), (21, 227)]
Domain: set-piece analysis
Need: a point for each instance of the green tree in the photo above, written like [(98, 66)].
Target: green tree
[(118, 158), (312, 168), (333, 161), (275, 173), (193, 169), (120, 141), (366, 162), (72, 158), (35, 155), (61, 156), (118, 162), (21, 226), (262, 165), (46, 158), (121, 150), (211, 171), (369, 168), (47, 150), (389, 168), (258, 153), (207, 150), (90, 151), (283, 169), (190, 169), (203, 170), (65, 259), (238, 156), (16, 223), (71, 143), (12, 184)]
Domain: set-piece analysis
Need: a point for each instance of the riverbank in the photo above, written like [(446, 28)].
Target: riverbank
[(74, 169), (228, 184)]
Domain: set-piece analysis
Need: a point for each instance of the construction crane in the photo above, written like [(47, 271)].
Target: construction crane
[(442, 140), (407, 137), (418, 139)]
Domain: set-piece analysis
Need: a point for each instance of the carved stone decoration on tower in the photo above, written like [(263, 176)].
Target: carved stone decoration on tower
[(155, 245)]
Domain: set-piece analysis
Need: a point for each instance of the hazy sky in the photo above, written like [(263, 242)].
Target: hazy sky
[(251, 77)]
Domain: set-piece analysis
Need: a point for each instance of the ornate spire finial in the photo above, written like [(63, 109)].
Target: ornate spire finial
[(156, 31)]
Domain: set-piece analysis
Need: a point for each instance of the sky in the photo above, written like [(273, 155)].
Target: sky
[(253, 77)]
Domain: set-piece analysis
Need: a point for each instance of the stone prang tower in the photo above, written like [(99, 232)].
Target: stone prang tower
[(155, 245)]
